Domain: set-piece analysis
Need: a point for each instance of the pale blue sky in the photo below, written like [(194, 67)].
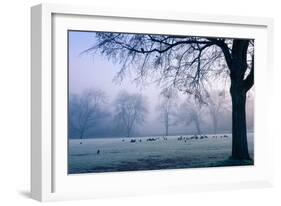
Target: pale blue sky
[(87, 71)]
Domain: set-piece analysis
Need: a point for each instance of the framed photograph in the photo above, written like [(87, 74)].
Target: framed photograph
[(137, 102)]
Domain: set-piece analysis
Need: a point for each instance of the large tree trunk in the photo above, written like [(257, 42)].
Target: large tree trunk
[(238, 90), (239, 128)]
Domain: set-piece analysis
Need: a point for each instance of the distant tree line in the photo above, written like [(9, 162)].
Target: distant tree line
[(91, 115)]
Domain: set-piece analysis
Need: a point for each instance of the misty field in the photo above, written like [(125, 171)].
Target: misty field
[(152, 153)]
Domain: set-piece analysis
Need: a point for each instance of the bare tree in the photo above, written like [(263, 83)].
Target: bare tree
[(167, 107), (189, 113), (216, 103), (187, 63), (130, 110), (85, 110)]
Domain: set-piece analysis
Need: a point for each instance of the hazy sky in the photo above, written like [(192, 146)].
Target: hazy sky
[(88, 71)]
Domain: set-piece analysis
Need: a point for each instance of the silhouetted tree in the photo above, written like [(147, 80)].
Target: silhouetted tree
[(85, 109), (130, 110), (187, 63), (216, 104), (190, 112), (167, 106)]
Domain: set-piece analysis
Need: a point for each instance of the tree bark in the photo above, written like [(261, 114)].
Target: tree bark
[(238, 90), (239, 128)]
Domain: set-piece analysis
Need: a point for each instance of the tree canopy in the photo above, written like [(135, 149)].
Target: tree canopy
[(183, 62)]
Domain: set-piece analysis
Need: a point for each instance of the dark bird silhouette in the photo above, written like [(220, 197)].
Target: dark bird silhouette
[(142, 50), (98, 152)]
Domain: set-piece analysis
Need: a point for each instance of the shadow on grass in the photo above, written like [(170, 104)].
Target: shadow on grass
[(231, 162), (161, 164)]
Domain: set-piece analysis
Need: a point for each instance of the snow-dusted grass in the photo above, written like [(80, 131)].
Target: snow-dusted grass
[(119, 154)]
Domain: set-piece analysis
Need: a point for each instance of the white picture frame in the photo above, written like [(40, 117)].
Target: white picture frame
[(49, 179)]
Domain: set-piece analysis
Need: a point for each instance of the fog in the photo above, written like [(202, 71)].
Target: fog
[(97, 72)]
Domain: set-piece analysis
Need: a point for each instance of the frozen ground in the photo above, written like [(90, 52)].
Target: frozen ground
[(120, 154)]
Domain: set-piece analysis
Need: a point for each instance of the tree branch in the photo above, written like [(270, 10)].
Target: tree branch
[(143, 51), (224, 48)]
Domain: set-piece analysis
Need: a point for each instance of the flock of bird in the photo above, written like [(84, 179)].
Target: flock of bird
[(180, 138)]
